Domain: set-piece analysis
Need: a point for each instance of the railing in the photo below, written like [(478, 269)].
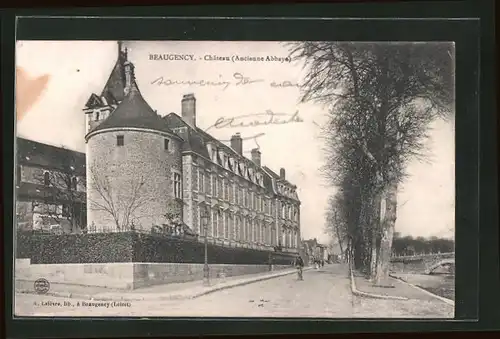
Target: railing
[(171, 233), (422, 255)]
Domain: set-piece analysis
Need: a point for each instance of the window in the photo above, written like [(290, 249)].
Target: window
[(231, 227), (231, 192), (237, 227), (226, 190), (177, 186), (165, 144), (46, 178), (201, 178), (219, 230), (244, 229), (226, 226), (65, 210), (214, 224), (201, 226), (96, 116), (219, 188), (74, 183), (206, 179), (214, 185), (119, 140)]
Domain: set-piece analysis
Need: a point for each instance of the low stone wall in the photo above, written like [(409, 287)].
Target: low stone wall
[(415, 267), (116, 275), (130, 275), (417, 264), (148, 274)]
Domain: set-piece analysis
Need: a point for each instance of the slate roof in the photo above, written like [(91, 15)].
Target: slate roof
[(271, 172), (197, 140), (193, 141), (114, 90), (134, 111), (33, 153)]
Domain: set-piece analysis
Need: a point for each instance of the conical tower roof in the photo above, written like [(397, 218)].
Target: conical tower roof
[(114, 90), (133, 111)]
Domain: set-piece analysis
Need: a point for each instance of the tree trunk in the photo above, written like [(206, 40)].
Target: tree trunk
[(375, 226), (388, 223)]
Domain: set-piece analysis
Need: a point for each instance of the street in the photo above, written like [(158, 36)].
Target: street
[(324, 293)]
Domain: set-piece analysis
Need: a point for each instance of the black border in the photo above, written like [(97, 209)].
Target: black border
[(466, 33)]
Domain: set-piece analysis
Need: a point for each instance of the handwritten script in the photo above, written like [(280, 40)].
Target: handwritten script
[(258, 119), (237, 79), (253, 137)]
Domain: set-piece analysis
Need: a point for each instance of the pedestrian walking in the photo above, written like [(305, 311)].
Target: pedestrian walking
[(299, 263)]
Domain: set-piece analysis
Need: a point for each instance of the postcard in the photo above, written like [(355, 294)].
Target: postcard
[(234, 179)]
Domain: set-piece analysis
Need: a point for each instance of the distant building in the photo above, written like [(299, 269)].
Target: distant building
[(50, 187), (180, 169), (315, 250)]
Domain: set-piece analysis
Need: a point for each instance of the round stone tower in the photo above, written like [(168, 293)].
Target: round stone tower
[(134, 164)]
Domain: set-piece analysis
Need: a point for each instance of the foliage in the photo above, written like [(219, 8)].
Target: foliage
[(382, 98), (129, 246), (64, 186), (409, 246)]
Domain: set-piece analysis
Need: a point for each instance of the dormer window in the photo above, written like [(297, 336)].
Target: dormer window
[(120, 140), (165, 144)]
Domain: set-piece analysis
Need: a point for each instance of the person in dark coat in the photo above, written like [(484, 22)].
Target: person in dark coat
[(299, 263)]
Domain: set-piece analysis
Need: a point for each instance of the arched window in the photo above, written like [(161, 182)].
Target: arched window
[(46, 178), (74, 183)]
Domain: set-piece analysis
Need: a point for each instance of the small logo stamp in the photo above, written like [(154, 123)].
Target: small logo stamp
[(42, 286)]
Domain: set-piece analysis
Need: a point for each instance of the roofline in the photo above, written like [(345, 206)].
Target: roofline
[(239, 176), (132, 129)]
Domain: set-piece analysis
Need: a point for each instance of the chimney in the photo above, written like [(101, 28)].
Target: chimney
[(122, 52), (129, 77), (256, 156), (282, 173), (237, 143), (188, 109)]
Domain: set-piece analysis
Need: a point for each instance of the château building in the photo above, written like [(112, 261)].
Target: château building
[(142, 166), (50, 187)]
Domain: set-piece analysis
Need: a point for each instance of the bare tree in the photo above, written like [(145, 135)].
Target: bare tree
[(120, 203), (64, 191), (383, 96), (336, 226)]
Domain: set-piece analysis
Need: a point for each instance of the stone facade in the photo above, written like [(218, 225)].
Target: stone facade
[(140, 173), (128, 276), (50, 187), (238, 201)]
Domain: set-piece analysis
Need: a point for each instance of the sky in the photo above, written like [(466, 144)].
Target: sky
[(77, 69)]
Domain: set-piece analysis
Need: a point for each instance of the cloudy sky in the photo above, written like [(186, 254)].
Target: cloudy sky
[(77, 69)]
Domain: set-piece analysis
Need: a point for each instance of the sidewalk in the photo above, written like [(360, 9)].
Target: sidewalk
[(401, 301), (188, 290), (400, 289)]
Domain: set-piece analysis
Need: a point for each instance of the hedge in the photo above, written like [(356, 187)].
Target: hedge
[(136, 247)]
